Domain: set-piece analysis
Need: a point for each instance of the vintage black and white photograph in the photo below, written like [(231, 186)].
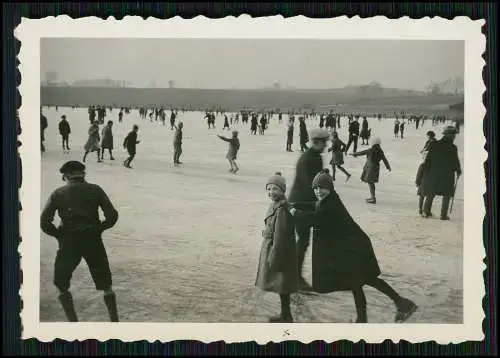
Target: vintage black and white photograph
[(269, 180)]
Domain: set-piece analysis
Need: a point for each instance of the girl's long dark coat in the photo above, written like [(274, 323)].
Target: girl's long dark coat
[(342, 254), (107, 138), (278, 271)]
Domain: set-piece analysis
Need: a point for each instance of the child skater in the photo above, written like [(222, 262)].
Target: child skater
[(337, 150), (277, 271), (371, 170), (234, 146), (343, 258)]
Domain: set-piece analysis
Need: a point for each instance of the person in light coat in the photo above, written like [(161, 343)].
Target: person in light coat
[(277, 269)]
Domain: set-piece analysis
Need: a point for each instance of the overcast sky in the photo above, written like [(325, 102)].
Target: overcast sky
[(254, 63)]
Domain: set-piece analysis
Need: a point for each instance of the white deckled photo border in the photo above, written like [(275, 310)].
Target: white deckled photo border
[(29, 33)]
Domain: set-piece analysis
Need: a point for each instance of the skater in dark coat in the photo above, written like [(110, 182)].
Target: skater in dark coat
[(107, 140), (353, 135), (309, 164), (226, 122), (365, 132), (343, 258), (402, 130), (419, 180), (396, 128), (277, 270), (130, 143), (43, 126), (304, 137), (337, 150), (253, 124), (440, 167), (178, 144), (64, 131), (371, 169), (80, 235), (232, 153), (289, 135)]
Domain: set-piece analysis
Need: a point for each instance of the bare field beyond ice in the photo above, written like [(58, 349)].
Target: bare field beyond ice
[(186, 245)]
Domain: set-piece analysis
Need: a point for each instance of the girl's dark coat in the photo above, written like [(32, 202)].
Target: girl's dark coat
[(337, 150), (278, 271), (371, 169), (342, 255)]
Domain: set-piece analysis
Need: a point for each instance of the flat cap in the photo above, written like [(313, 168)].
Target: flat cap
[(318, 133), (72, 166), (449, 130)]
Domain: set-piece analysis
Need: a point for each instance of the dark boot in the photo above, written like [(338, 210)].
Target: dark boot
[(69, 309), (444, 208), (405, 308), (281, 319), (110, 301)]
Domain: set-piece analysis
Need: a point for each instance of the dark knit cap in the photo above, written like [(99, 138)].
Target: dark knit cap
[(323, 180)]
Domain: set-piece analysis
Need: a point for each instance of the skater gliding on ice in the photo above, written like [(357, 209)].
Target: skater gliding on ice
[(130, 143), (64, 131), (371, 169), (80, 235), (343, 258), (232, 152)]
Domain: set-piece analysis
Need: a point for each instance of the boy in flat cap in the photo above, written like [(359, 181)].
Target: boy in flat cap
[(80, 235)]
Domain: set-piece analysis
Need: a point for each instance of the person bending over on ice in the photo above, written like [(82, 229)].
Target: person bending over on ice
[(80, 235), (234, 146), (277, 270), (130, 143), (371, 169), (343, 258)]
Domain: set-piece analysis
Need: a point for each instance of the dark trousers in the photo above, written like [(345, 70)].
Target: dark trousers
[(65, 141), (303, 240), (72, 248), (353, 139), (444, 206), (177, 153)]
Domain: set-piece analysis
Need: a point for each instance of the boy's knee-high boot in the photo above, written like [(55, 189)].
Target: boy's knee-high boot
[(69, 309), (110, 301)]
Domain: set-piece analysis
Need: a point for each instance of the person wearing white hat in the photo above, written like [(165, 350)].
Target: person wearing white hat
[(371, 169)]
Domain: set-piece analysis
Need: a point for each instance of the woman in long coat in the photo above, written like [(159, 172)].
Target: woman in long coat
[(277, 270), (107, 140), (343, 258), (371, 169), (92, 144)]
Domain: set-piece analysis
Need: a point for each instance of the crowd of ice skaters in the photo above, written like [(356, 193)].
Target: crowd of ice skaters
[(343, 258)]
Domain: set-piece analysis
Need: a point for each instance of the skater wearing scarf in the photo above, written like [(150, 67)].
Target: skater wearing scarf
[(439, 169), (308, 165), (277, 270), (371, 169), (343, 258), (304, 137), (234, 146), (337, 150), (92, 144)]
